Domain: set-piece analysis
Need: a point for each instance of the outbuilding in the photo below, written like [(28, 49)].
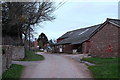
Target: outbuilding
[(98, 40)]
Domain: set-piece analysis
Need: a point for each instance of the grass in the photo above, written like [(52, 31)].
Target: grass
[(97, 60), (105, 67), (31, 56), (13, 73)]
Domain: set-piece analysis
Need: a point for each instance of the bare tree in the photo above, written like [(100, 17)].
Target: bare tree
[(38, 13), (21, 17)]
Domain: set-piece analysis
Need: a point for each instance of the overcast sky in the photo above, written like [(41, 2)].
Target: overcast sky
[(76, 15)]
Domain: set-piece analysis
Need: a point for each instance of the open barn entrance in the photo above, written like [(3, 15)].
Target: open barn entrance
[(78, 48)]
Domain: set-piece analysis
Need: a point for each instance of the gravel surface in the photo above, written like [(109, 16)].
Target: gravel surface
[(54, 66)]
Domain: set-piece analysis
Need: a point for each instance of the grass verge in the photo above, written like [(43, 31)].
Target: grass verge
[(31, 56), (13, 73), (105, 67)]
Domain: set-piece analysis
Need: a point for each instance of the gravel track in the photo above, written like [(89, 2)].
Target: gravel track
[(54, 66)]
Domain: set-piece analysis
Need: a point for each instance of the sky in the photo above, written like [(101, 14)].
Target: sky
[(78, 14)]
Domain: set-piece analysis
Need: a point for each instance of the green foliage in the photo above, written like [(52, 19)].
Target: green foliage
[(13, 73), (31, 56), (42, 40), (40, 43), (105, 67)]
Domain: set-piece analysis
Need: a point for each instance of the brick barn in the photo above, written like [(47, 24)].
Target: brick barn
[(98, 40)]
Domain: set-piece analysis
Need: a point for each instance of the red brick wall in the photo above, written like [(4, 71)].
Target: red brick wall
[(68, 48), (119, 42), (103, 39)]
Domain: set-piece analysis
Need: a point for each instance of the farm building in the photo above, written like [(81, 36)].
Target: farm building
[(98, 40)]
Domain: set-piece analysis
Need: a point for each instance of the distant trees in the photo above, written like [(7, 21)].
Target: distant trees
[(42, 40)]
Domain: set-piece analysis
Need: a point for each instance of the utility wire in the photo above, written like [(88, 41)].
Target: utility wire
[(61, 4)]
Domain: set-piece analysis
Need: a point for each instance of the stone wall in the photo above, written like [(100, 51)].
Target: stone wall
[(0, 61), (18, 52), (6, 57), (10, 53)]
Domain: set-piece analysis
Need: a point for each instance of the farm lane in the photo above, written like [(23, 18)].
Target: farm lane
[(55, 66)]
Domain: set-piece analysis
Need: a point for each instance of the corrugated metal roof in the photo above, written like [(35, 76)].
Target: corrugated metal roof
[(69, 33), (66, 35), (80, 35), (114, 21)]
